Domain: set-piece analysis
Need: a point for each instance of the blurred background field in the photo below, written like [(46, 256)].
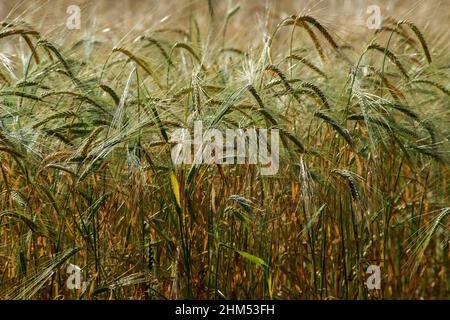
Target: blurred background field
[(347, 18)]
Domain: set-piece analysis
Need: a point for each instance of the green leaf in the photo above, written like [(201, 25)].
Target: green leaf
[(253, 259)]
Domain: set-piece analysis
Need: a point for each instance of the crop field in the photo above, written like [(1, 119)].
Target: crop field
[(355, 96)]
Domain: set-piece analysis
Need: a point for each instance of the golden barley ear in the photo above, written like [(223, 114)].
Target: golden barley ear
[(420, 36), (56, 156)]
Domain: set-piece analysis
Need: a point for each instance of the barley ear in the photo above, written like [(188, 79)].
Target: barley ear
[(420, 37)]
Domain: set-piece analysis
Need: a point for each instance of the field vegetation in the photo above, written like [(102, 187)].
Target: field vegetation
[(86, 176)]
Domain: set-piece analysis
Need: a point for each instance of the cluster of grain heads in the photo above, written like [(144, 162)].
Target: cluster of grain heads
[(87, 178)]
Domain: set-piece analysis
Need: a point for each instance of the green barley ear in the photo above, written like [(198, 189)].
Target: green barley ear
[(304, 22), (433, 84), (283, 79), (280, 74), (26, 84), (419, 36), (348, 177), (21, 94), (11, 152), (343, 132), (255, 94), (211, 8), (228, 17), (307, 63), (196, 93), (430, 152), (148, 240), (90, 139), (76, 95), (58, 115), (42, 278), (111, 93), (26, 219), (233, 50), (158, 45), (4, 79), (318, 92), (189, 49), (21, 32), (262, 109), (321, 28), (314, 38), (391, 56), (399, 32), (140, 63), (424, 237), (32, 48), (403, 109), (269, 117), (50, 46), (159, 122)]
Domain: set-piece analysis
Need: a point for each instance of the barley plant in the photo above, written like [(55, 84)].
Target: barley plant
[(87, 178)]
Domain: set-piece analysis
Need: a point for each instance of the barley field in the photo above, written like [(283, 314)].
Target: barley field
[(92, 205)]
